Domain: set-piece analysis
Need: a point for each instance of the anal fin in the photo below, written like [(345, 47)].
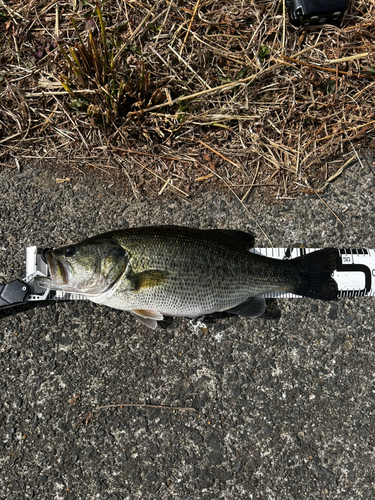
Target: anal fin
[(148, 317), (251, 308)]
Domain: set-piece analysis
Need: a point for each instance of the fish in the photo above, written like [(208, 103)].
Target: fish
[(157, 271)]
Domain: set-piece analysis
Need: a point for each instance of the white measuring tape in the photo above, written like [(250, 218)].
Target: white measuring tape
[(355, 275)]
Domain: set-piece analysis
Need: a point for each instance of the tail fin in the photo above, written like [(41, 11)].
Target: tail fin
[(316, 271)]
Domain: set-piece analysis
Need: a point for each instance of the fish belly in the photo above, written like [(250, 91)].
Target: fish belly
[(181, 297)]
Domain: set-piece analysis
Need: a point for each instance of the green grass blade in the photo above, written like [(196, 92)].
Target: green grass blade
[(76, 30), (104, 37), (65, 85), (78, 71), (96, 60)]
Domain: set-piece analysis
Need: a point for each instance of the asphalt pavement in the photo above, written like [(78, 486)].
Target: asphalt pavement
[(283, 404)]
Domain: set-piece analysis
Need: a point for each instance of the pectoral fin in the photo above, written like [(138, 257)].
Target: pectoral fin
[(252, 308), (146, 279), (148, 317)]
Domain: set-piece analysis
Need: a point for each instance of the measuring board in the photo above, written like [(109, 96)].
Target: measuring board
[(355, 274)]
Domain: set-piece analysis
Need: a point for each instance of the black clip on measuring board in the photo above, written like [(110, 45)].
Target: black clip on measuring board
[(26, 291), (13, 293), (316, 12)]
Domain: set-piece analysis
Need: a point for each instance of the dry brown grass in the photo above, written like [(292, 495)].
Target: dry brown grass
[(178, 97)]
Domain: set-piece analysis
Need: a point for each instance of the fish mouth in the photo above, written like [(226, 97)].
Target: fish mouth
[(58, 270), (43, 254)]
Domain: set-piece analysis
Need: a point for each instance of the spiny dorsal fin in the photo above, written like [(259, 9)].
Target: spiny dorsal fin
[(237, 238)]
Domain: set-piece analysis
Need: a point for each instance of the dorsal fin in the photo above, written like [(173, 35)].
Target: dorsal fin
[(237, 238), (234, 237)]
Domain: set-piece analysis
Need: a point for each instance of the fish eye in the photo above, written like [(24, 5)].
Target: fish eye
[(70, 251)]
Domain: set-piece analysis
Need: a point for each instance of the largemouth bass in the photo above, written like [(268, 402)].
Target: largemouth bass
[(178, 271)]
